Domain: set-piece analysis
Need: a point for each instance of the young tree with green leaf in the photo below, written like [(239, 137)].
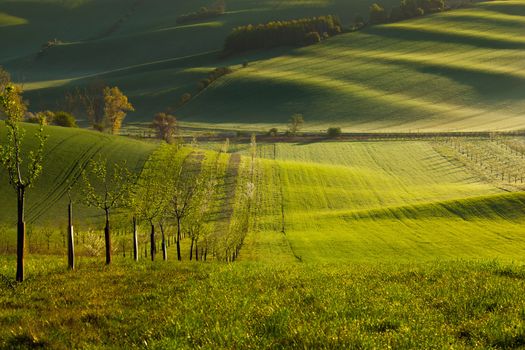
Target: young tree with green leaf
[(185, 188), (13, 160), (107, 191), (150, 198)]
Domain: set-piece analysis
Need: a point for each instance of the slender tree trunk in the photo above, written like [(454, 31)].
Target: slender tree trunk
[(196, 250), (179, 257), (108, 239), (135, 240), (70, 238), (164, 247), (191, 248), (153, 244), (21, 235)]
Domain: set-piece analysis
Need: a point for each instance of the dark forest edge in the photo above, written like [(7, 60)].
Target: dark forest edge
[(303, 31)]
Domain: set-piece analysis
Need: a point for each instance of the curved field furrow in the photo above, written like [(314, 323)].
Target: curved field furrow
[(434, 73), (364, 201)]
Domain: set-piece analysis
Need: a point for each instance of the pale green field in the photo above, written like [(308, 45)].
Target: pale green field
[(380, 201)]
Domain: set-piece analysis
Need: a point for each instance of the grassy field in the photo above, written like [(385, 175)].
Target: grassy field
[(386, 201), (366, 244), (67, 152), (458, 305), (459, 70)]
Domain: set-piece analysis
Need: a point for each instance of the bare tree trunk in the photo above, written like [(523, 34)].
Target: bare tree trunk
[(153, 244), (108, 239), (21, 236), (70, 238), (164, 247), (135, 240), (179, 257), (196, 250), (191, 248)]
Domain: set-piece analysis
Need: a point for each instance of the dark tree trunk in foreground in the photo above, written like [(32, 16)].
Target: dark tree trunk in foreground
[(135, 240), (107, 237), (21, 231), (70, 238), (153, 243), (164, 247), (196, 250), (179, 257), (191, 248)]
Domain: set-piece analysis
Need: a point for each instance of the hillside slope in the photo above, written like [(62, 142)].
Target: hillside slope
[(459, 70), (134, 44), (67, 152), (386, 201)]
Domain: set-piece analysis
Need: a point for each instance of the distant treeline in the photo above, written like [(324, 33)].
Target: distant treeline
[(203, 13), (407, 9), (302, 31)]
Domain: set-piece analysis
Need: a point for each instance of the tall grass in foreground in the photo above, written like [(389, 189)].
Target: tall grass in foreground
[(162, 305)]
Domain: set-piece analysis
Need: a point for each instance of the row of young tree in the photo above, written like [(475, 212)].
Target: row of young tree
[(302, 31), (407, 9), (178, 184), (498, 159)]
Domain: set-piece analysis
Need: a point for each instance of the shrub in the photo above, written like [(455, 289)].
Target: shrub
[(312, 38), (214, 75), (64, 119), (377, 14), (203, 13), (273, 132), (185, 98), (334, 132), (359, 22), (42, 118)]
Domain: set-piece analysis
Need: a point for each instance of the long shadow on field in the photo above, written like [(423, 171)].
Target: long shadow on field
[(510, 207), (491, 85), (496, 22), (505, 8), (414, 34)]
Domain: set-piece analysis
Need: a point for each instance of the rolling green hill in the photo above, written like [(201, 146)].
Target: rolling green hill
[(459, 70), (67, 152), (134, 44), (379, 201)]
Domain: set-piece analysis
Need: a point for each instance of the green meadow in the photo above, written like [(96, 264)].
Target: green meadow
[(363, 244), (389, 241), (386, 201)]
